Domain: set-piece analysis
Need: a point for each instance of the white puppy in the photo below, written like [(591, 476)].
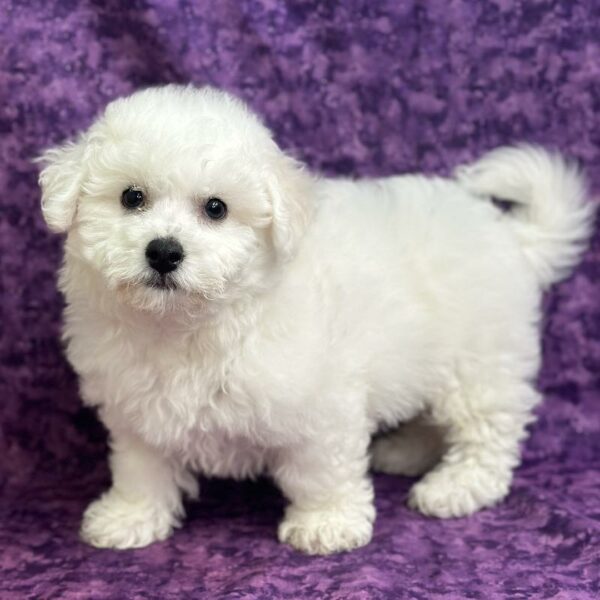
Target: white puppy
[(231, 314)]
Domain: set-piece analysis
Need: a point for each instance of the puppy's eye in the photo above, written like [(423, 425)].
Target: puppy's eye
[(215, 209), (132, 198)]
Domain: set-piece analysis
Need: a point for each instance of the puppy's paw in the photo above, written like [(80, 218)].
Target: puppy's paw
[(458, 490), (114, 522), (335, 529)]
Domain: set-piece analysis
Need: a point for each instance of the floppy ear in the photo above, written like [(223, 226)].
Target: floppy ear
[(61, 181), (290, 188)]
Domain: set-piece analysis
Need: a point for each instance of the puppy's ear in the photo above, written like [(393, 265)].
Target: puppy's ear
[(61, 180), (290, 188)]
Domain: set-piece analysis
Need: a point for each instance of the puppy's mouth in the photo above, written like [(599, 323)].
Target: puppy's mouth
[(161, 282)]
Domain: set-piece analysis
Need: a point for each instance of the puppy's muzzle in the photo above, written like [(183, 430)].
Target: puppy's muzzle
[(164, 254)]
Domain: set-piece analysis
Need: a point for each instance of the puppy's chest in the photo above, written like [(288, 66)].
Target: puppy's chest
[(180, 394)]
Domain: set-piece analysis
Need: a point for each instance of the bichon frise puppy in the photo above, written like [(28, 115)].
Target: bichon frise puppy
[(229, 313)]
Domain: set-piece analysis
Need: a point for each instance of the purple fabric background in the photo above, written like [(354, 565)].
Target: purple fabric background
[(368, 88)]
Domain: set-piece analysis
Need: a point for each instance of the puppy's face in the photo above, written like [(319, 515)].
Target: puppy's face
[(177, 195)]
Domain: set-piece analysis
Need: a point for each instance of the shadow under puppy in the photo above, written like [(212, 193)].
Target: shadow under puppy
[(232, 314)]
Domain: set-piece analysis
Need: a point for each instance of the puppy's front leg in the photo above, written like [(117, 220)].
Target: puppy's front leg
[(143, 504), (331, 507)]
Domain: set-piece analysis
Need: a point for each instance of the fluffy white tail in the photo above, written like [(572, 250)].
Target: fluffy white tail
[(550, 214)]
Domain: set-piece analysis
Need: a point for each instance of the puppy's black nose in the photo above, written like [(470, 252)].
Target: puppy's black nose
[(164, 254)]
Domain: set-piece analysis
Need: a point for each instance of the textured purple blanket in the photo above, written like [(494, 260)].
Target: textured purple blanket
[(368, 88)]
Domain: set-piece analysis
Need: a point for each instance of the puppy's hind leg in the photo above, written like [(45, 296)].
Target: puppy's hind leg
[(412, 449), (486, 420)]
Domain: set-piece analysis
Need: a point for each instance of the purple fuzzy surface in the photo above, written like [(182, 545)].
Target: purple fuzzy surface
[(362, 88)]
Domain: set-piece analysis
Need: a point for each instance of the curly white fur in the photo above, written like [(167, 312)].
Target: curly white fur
[(316, 313)]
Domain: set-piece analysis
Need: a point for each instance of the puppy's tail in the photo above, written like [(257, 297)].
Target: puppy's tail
[(549, 211)]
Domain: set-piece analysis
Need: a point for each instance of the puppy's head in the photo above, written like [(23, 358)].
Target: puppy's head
[(177, 195)]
